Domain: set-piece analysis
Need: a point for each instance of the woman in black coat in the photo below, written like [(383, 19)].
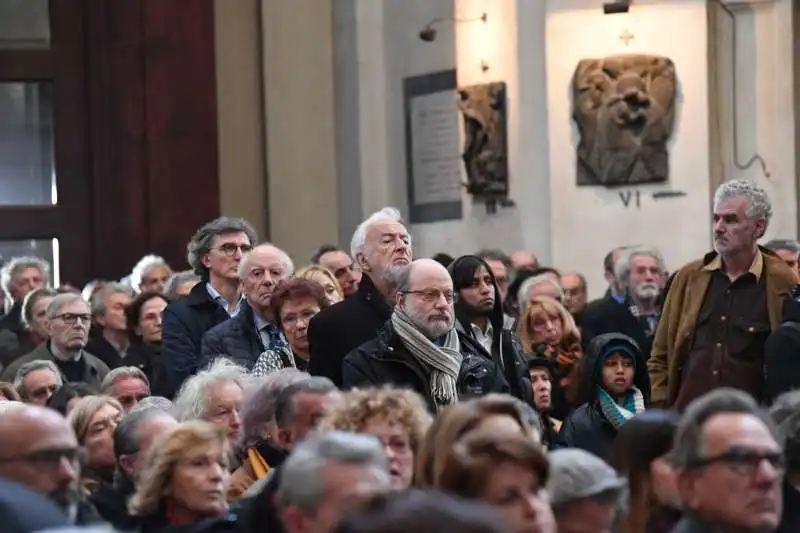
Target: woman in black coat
[(143, 316)]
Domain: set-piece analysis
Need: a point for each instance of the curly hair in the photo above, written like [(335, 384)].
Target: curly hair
[(168, 449), (359, 406)]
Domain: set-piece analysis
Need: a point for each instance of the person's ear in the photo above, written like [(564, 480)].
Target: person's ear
[(399, 298), (285, 438), (127, 463), (685, 482), (294, 520)]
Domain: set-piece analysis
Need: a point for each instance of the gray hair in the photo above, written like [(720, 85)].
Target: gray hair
[(201, 241), (783, 244), (177, 279), (127, 438), (785, 413), (123, 372), (387, 214), (155, 402), (109, 288), (30, 301), (285, 260), (17, 265), (145, 263), (525, 288), (190, 403), (33, 366), (758, 204), (689, 444), (284, 402), (302, 480), (622, 268), (258, 408), (60, 301)]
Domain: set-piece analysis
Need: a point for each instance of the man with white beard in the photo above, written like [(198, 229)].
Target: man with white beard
[(419, 347), (381, 246), (640, 276)]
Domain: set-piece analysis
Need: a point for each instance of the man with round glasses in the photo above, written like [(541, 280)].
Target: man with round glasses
[(67, 321), (729, 466), (419, 347)]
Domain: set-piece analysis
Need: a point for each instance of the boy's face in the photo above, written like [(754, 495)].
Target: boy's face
[(540, 383), (617, 374)]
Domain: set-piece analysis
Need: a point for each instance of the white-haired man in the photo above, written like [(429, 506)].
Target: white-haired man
[(720, 309), (18, 277), (381, 246), (215, 395), (253, 331), (640, 276)]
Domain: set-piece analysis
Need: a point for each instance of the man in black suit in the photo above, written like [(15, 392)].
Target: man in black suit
[(381, 246)]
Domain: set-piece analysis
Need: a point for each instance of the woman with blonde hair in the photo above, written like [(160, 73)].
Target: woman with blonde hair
[(94, 419), (185, 480), (326, 279), (508, 472), (495, 413), (546, 329), (399, 418)]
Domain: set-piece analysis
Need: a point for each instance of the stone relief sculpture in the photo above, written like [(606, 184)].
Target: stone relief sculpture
[(624, 107), (485, 150)]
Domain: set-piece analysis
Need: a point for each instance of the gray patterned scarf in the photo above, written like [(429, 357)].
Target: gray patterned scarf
[(444, 361)]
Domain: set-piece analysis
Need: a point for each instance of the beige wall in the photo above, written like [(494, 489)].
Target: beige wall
[(242, 156), (276, 119)]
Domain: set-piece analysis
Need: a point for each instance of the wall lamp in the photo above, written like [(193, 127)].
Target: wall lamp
[(429, 33), (616, 7)]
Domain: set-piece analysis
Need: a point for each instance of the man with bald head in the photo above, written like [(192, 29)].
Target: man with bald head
[(253, 331), (39, 450), (522, 260), (419, 347)]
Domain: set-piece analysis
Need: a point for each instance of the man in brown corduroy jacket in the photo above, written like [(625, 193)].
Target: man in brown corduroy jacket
[(720, 309)]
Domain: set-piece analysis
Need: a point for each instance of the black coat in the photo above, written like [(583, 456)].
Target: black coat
[(236, 339), (607, 315), (104, 350), (385, 360), (112, 505), (587, 427), (94, 370), (790, 521), (337, 330), (782, 353), (184, 323), (146, 356), (506, 349)]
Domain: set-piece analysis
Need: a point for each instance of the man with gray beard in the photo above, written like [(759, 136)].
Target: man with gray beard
[(640, 274), (419, 348), (381, 246)]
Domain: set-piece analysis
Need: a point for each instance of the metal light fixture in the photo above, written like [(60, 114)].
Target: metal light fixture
[(429, 33), (616, 7)]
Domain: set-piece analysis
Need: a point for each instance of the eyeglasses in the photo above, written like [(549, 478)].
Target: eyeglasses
[(230, 248), (41, 392), (70, 319), (743, 461), (433, 295), (50, 459)]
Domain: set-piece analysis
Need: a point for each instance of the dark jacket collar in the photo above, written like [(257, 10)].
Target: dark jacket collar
[(369, 293), (198, 296)]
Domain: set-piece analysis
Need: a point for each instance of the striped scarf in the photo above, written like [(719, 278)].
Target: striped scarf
[(619, 414)]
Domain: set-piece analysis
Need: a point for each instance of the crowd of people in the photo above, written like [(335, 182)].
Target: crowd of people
[(373, 391)]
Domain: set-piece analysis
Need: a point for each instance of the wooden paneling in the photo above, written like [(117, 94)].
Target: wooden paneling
[(135, 132), (153, 128)]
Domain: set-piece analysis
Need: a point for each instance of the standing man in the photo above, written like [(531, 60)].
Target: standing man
[(214, 253), (381, 246), (720, 309)]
